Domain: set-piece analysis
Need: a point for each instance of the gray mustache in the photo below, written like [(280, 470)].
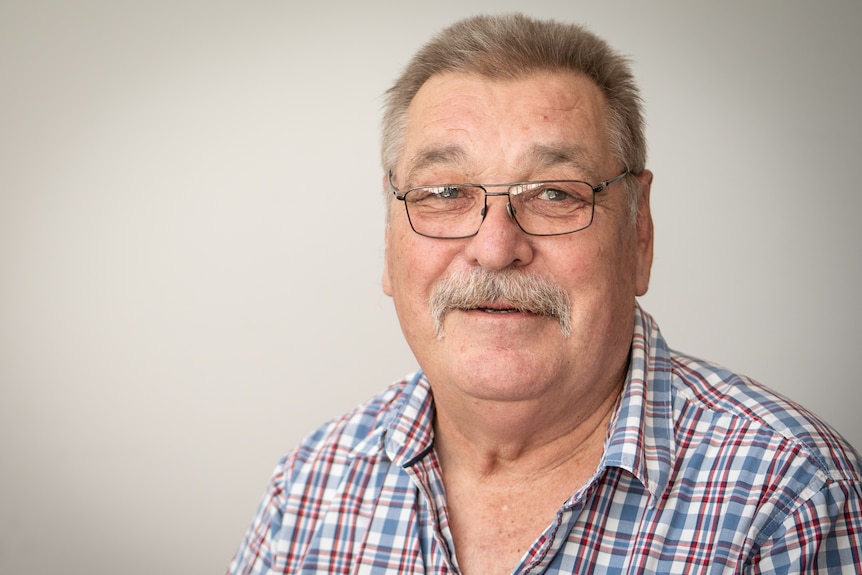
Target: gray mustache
[(479, 287)]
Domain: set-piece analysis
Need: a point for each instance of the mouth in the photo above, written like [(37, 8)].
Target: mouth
[(495, 310)]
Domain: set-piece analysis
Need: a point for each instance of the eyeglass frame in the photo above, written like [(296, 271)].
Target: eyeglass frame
[(509, 209)]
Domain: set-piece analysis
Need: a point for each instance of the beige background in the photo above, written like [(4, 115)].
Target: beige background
[(191, 239)]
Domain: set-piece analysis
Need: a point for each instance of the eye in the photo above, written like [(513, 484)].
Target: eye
[(553, 195), (448, 192), (441, 197)]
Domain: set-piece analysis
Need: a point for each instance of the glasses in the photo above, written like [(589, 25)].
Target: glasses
[(548, 208)]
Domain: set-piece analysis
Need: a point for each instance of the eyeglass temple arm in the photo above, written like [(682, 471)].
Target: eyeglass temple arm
[(607, 183), (395, 191)]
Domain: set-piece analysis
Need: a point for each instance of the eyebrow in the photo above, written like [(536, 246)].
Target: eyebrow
[(539, 157), (552, 156), (433, 156)]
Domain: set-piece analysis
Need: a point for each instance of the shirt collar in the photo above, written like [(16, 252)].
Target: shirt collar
[(640, 434), (406, 433)]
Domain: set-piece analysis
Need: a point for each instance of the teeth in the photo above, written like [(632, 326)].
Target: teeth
[(489, 310)]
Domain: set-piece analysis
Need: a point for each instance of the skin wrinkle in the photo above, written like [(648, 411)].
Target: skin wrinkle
[(542, 156), (535, 165), (553, 155), (472, 107), (508, 459), (431, 157)]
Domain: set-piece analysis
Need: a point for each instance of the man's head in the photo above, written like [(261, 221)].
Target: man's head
[(515, 312), (513, 46)]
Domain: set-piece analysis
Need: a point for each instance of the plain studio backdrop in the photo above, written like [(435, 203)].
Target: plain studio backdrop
[(191, 239)]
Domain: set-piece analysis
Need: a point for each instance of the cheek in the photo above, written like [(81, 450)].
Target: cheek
[(413, 265), (597, 271), (619, 269), (585, 265), (413, 268)]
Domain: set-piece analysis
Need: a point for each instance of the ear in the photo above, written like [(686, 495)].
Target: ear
[(387, 283), (644, 233)]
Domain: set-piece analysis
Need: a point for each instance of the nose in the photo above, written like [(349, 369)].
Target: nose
[(500, 243)]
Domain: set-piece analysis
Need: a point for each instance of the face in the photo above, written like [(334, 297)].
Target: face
[(464, 128)]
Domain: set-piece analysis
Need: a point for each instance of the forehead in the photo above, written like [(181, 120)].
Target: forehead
[(467, 121)]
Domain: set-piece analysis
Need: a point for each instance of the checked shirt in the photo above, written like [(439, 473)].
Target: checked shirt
[(704, 471)]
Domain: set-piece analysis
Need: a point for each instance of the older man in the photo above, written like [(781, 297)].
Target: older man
[(550, 429)]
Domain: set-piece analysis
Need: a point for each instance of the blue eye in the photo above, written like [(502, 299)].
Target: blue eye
[(453, 196), (553, 195), (448, 193)]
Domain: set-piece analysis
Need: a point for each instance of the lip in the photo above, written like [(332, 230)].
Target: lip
[(501, 319), (495, 307), (495, 310), (496, 322)]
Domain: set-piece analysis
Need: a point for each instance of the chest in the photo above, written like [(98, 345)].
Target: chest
[(402, 524)]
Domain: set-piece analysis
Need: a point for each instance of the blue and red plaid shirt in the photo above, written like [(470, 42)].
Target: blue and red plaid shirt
[(704, 471)]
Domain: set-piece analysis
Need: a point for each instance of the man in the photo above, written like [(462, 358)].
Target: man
[(550, 429)]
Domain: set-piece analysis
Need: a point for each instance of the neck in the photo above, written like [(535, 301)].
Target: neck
[(526, 438)]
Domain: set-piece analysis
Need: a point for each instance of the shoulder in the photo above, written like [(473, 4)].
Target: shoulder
[(321, 486), (355, 433), (346, 446), (764, 412)]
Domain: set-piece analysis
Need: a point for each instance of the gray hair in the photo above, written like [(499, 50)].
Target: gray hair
[(514, 46), (523, 291)]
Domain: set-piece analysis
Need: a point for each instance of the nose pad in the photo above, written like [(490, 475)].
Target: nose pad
[(510, 209)]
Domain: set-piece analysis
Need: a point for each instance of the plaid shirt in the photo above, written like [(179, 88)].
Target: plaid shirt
[(703, 471)]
